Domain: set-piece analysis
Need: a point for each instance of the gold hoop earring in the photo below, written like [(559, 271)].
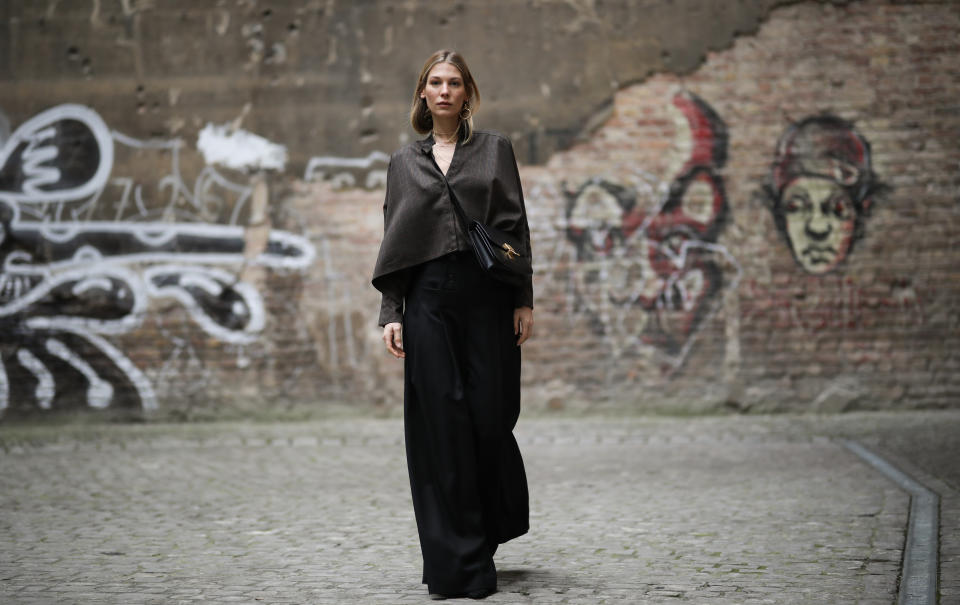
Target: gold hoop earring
[(465, 108)]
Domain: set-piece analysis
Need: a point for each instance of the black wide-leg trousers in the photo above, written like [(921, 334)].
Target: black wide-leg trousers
[(461, 403)]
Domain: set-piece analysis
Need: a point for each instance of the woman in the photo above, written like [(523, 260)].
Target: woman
[(458, 330)]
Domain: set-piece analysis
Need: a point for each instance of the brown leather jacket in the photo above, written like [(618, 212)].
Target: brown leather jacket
[(419, 223)]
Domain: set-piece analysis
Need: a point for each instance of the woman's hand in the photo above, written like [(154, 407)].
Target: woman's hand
[(523, 324), (393, 338)]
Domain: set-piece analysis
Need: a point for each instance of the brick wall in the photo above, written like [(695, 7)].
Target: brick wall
[(755, 314), (772, 231)]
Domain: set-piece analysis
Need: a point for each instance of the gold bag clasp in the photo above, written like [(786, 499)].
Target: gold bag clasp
[(511, 253)]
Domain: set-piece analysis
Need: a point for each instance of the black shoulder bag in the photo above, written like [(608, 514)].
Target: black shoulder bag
[(501, 255)]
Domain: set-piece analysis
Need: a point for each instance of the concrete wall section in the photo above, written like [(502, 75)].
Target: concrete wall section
[(336, 77)]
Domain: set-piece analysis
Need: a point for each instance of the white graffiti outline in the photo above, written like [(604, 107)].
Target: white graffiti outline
[(45, 388), (199, 198), (148, 399), (24, 280), (38, 129), (374, 178), (82, 327), (211, 281), (158, 234), (4, 387), (66, 322), (99, 391)]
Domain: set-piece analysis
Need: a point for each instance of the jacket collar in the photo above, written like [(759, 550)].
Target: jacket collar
[(426, 148), (426, 144)]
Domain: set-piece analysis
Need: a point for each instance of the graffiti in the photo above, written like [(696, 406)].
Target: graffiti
[(239, 149), (73, 136), (820, 189), (82, 252), (371, 171), (647, 266)]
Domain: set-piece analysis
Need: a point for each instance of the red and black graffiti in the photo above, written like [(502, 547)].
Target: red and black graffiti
[(666, 259)]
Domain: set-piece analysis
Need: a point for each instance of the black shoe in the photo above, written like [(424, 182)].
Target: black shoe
[(480, 594)]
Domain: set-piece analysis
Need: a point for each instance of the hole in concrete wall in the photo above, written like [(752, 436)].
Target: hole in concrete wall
[(73, 54), (293, 28), (369, 136), (252, 30), (266, 13)]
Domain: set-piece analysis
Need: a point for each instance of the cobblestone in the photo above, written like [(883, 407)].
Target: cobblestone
[(623, 510)]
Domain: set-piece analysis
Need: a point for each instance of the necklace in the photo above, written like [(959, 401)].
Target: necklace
[(443, 153), (446, 138)]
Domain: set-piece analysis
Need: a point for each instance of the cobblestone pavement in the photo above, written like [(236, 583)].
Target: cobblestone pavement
[(623, 510)]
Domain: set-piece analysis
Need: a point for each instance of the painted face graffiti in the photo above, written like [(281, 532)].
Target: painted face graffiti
[(820, 190), (820, 221)]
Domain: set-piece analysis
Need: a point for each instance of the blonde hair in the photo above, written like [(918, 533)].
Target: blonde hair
[(420, 117)]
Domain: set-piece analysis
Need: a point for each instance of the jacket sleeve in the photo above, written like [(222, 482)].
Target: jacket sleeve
[(391, 308), (524, 294), (391, 287)]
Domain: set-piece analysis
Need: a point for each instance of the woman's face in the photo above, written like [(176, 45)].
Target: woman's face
[(444, 92), (820, 219)]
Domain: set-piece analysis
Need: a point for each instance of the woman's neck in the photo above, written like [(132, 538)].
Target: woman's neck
[(445, 129)]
